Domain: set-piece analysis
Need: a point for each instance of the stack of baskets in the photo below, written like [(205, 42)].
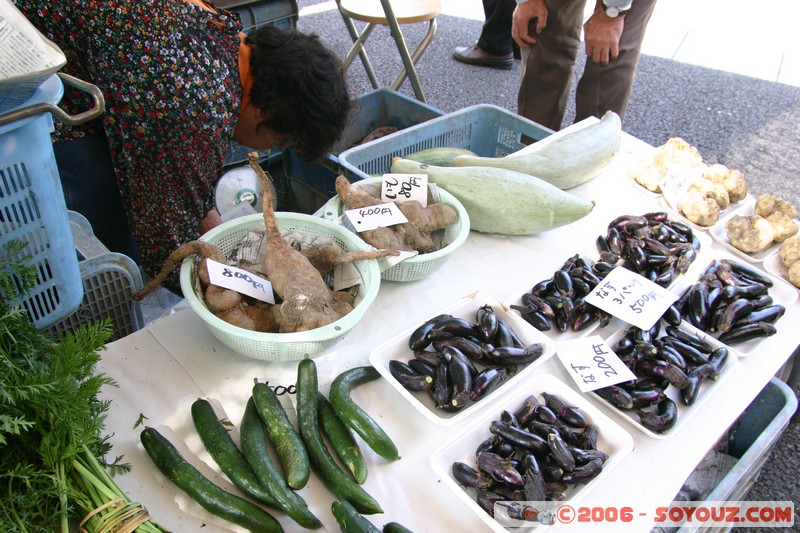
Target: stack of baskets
[(32, 207)]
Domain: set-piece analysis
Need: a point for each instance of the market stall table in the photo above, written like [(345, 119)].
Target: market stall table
[(162, 369)]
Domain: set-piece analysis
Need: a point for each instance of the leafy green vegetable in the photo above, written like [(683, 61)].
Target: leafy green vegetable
[(51, 418)]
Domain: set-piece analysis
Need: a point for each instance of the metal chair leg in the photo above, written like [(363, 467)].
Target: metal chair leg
[(423, 44), (358, 46), (410, 71)]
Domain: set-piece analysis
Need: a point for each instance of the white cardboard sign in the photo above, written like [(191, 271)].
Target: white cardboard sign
[(592, 364), (374, 216), (405, 187), (239, 280), (631, 297)]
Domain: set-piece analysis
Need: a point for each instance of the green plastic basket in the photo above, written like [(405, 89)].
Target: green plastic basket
[(283, 346), (420, 265)]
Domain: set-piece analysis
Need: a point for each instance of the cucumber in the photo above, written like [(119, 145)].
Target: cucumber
[(356, 418), (288, 445), (211, 497), (342, 441), (255, 445), (503, 201), (226, 454), (394, 527), (349, 520), (321, 460)]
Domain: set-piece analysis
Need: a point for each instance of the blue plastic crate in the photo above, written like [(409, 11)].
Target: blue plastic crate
[(309, 185), (33, 210), (487, 130), (381, 108)]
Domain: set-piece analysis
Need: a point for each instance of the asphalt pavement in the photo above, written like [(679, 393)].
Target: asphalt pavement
[(739, 105)]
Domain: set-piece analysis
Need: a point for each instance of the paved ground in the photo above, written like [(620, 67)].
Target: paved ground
[(712, 73)]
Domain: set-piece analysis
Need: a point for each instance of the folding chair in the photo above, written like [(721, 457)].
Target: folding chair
[(391, 13)]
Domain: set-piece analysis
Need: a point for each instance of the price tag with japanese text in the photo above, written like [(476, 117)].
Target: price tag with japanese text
[(239, 280), (631, 297), (592, 364), (374, 216), (405, 187)]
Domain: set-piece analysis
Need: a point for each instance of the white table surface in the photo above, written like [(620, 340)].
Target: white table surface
[(162, 369)]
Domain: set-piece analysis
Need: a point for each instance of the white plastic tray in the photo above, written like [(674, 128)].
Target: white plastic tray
[(467, 307), (613, 440), (685, 412)]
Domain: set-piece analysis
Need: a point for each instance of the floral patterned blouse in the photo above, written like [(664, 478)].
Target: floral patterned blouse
[(169, 73)]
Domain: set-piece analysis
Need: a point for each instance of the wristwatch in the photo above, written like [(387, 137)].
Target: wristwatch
[(613, 11)]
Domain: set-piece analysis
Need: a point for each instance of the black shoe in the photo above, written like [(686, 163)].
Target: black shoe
[(472, 55)]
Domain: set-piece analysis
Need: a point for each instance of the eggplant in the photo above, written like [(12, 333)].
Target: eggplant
[(409, 378), (564, 411), (420, 337)]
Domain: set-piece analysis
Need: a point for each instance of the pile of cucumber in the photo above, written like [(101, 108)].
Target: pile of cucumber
[(265, 426)]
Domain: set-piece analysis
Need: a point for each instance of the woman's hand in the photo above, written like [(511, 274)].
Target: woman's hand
[(212, 220), (602, 34), (523, 15)]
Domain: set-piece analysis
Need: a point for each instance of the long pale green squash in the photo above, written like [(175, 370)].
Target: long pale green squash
[(439, 156), (566, 162), (503, 201)]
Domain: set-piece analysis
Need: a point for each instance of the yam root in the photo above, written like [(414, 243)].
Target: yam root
[(326, 257), (223, 303), (307, 301), (414, 235)]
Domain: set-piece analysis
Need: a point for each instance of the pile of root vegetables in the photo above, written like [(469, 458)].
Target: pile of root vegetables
[(304, 301), (416, 235)]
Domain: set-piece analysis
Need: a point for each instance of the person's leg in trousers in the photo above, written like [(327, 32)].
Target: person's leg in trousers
[(90, 188), (608, 88), (548, 65), (496, 33)]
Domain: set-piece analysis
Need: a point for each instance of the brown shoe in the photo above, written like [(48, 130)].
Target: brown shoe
[(473, 55)]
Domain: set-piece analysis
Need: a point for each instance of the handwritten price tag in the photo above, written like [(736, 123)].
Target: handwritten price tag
[(592, 364), (405, 187), (631, 297), (374, 216), (239, 280)]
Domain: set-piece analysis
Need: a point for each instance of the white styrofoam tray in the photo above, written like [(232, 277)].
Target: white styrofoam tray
[(685, 412), (612, 439), (467, 307), (781, 292), (720, 234)]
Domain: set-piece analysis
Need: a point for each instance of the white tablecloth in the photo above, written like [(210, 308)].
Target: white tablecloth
[(162, 369)]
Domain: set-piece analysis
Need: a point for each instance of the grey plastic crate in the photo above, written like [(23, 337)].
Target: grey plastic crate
[(751, 439), (109, 281), (257, 13), (487, 130)]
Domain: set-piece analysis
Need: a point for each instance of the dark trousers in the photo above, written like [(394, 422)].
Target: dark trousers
[(548, 66), (495, 36), (90, 188)]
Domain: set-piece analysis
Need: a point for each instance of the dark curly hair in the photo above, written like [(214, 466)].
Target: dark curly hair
[(300, 85)]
